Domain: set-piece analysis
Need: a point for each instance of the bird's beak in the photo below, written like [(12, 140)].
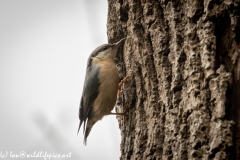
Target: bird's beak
[(119, 43)]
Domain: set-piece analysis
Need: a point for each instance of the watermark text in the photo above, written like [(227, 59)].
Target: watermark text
[(36, 154)]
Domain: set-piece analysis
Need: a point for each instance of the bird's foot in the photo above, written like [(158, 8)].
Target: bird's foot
[(121, 84), (118, 114), (124, 114)]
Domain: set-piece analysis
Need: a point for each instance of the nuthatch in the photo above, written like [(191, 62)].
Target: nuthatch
[(100, 86)]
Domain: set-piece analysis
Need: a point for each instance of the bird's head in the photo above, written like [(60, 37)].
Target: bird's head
[(107, 50)]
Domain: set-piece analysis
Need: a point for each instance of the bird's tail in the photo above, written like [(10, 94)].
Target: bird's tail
[(81, 118), (90, 124), (79, 126)]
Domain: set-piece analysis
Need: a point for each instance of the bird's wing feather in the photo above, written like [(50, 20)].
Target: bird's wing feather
[(89, 94)]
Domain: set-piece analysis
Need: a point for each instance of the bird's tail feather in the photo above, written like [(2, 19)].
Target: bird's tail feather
[(86, 135), (90, 124), (79, 126)]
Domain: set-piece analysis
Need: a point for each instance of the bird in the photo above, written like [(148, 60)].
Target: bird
[(100, 87)]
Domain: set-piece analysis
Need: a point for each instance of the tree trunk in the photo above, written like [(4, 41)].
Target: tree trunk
[(183, 95)]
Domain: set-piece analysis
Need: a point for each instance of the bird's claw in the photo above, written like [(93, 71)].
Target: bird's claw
[(121, 84)]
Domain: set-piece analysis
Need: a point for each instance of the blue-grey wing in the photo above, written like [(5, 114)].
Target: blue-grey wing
[(89, 94)]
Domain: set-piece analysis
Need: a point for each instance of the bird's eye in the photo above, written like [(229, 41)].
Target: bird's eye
[(105, 48)]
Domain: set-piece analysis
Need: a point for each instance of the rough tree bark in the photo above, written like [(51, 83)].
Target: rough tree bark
[(183, 96)]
